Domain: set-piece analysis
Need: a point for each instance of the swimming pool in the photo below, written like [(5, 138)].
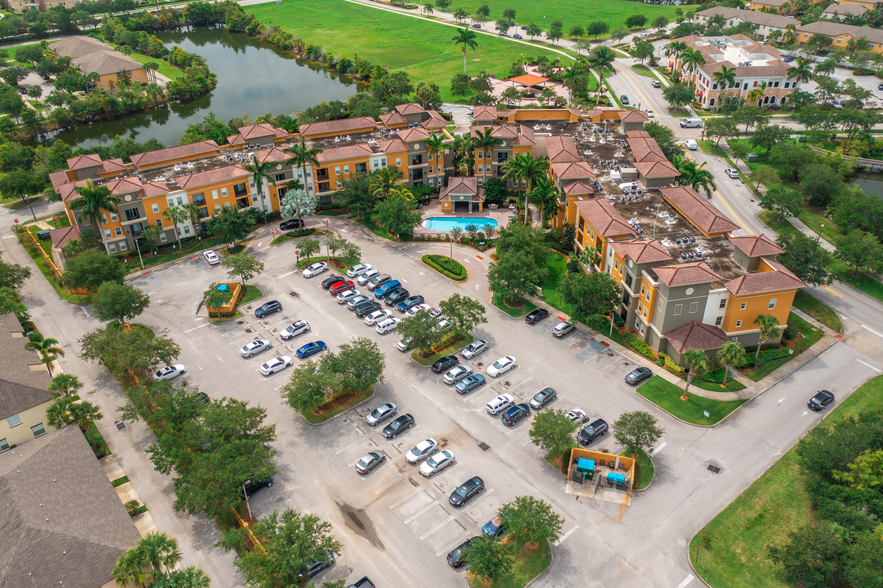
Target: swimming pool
[(446, 224)]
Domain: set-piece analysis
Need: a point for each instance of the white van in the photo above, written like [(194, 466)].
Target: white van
[(691, 145), (499, 403), (388, 325), (691, 123)]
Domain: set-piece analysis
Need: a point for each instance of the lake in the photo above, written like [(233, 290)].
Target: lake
[(253, 77)]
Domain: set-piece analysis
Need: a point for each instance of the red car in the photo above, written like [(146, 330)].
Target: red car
[(340, 287)]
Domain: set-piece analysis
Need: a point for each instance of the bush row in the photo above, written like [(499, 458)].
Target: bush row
[(670, 365), (446, 266), (638, 345)]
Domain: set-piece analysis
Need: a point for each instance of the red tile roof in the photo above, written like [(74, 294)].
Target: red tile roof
[(261, 130), (756, 245), (641, 251), (410, 108), (112, 165), (345, 152), (577, 188), (638, 134), (413, 134), (84, 161), (273, 154), (187, 151), (64, 235), (764, 282), (657, 169), (561, 148), (340, 126), (698, 210), (151, 189), (393, 118), (574, 170), (392, 145), (58, 179), (606, 219), (633, 116), (212, 176), (683, 274), (123, 185), (695, 335), (462, 185)]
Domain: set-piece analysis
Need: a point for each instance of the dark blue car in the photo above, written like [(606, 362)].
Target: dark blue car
[(387, 288), (310, 349), (409, 303), (470, 383)]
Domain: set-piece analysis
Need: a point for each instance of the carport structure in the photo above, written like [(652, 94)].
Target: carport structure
[(462, 194)]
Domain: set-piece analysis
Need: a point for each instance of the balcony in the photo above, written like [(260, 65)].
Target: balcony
[(417, 161), (242, 203), (199, 200), (132, 216), (417, 175), (322, 175), (202, 212), (361, 168), (324, 187)]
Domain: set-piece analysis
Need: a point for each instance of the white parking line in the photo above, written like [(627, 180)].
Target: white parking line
[(199, 327), (406, 498), (420, 512), (374, 471), (356, 442), (659, 447), (460, 540), (284, 275), (868, 365), (437, 527), (565, 536), (517, 385), (396, 481), (871, 330), (686, 581)]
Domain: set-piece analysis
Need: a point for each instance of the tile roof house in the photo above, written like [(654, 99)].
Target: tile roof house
[(841, 33), (642, 251), (685, 274), (699, 211), (561, 148), (756, 245), (63, 523), (841, 10), (78, 46), (462, 190), (603, 217), (695, 335)]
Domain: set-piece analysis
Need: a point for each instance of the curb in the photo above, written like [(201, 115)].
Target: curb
[(373, 392), (551, 561), (444, 276), (454, 352), (647, 487), (690, 561)]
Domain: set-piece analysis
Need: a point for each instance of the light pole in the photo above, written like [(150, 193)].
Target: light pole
[(819, 238), (247, 505), (30, 207), (135, 238)]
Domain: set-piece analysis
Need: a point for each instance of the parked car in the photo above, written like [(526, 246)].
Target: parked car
[(466, 492), (445, 363), (436, 463), (397, 297), (407, 304), (331, 281), (837, 104), (656, 84), (277, 364), (455, 374), (880, 87), (543, 398), (251, 486), (562, 329), (503, 34), (501, 366), (291, 224), (341, 287), (470, 383), (413, 311), (211, 257), (592, 431), (313, 567), (474, 349), (732, 173), (267, 309), (294, 329), (422, 450), (358, 269), (578, 416), (170, 372), (315, 269), (822, 399), (378, 316), (381, 413), (790, 58), (388, 325), (377, 280), (201, 397), (367, 276), (624, 99), (404, 344), (355, 301), (310, 349), (499, 404), (517, 36), (535, 316), (476, 26), (494, 528), (366, 308), (398, 426), (386, 289), (638, 375), (365, 582), (255, 347), (455, 557), (346, 295), (513, 414), (369, 462)]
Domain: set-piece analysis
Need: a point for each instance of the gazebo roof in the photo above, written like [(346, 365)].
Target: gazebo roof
[(528, 79)]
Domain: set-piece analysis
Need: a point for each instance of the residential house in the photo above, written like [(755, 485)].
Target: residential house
[(776, 6), (841, 34), (868, 4), (764, 23), (20, 6), (91, 55), (845, 9)]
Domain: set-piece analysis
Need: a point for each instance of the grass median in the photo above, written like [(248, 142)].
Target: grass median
[(450, 349), (337, 407), (523, 306), (818, 310), (530, 561), (667, 396), (645, 467)]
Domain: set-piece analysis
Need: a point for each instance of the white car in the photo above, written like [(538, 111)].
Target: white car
[(501, 366), (169, 372), (457, 373), (357, 270), (367, 276), (275, 365), (474, 349), (347, 295), (436, 463), (404, 344), (499, 404), (211, 257), (255, 347), (388, 325), (442, 325), (422, 450), (378, 316), (577, 416), (731, 172), (315, 269), (650, 113), (418, 308), (294, 329)]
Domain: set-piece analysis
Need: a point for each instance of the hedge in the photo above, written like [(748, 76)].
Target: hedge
[(765, 356), (446, 266), (716, 377), (638, 345), (670, 365)]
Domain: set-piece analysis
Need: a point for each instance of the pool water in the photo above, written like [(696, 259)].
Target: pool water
[(447, 224)]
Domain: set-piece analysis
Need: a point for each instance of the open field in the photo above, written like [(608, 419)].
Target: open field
[(423, 49)]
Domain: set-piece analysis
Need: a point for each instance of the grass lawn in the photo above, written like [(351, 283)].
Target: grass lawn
[(164, 68), (667, 396), (332, 212), (253, 293), (223, 319), (49, 274), (643, 70), (823, 313), (811, 335), (813, 218), (603, 327), (557, 269), (120, 481), (368, 221), (132, 262), (311, 260), (763, 515), (449, 350), (645, 467), (338, 407), (732, 385), (394, 40), (513, 312), (529, 563)]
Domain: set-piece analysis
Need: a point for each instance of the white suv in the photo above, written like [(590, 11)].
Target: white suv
[(499, 404)]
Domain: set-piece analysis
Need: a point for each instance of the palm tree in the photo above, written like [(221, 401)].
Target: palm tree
[(160, 551), (46, 348), (129, 568), (790, 35), (571, 77), (726, 77), (259, 172), (467, 38), (301, 155), (546, 195), (691, 58), (758, 93), (698, 363), (694, 176), (191, 577), (485, 142), (588, 256), (92, 201), (675, 48), (65, 411), (435, 147), (768, 325), (426, 7), (802, 72), (525, 168), (384, 180), (176, 215), (601, 60), (461, 147), (730, 354)]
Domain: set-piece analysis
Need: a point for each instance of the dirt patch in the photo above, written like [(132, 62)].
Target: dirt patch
[(360, 523)]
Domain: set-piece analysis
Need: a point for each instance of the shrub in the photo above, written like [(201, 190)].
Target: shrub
[(132, 508), (638, 345), (716, 377), (674, 368), (573, 266), (618, 321), (598, 323), (446, 266)]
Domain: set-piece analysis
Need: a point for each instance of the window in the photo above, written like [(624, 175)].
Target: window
[(113, 216), (103, 218), (215, 194), (431, 182), (38, 430), (787, 84), (118, 231), (678, 309), (723, 303), (337, 171), (346, 169), (13, 421), (107, 234), (159, 222), (775, 84), (642, 329), (224, 192), (217, 209), (122, 245), (772, 304), (280, 177), (642, 289), (430, 170), (738, 324), (429, 157), (743, 306), (156, 208), (339, 185), (480, 154), (714, 86), (112, 247), (640, 307), (186, 230), (4, 445), (398, 161), (648, 296), (616, 265), (694, 306), (718, 321), (163, 238), (480, 169), (181, 201)]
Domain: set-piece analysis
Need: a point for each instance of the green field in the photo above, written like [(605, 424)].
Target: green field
[(763, 515), (424, 50), (164, 68)]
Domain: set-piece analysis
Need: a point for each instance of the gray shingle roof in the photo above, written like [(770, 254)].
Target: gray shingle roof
[(106, 62), (20, 387)]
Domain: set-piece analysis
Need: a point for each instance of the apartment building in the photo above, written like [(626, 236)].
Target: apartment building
[(841, 34), (777, 6), (91, 55), (514, 140), (867, 4), (764, 22), (755, 64), (844, 9)]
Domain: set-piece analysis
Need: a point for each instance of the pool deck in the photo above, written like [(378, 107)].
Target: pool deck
[(433, 210)]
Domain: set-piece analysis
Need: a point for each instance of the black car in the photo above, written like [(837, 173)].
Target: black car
[(398, 426), (396, 297), (366, 308), (593, 431), (535, 316), (328, 282), (314, 567), (267, 309), (822, 399), (512, 415), (638, 375), (543, 397), (624, 99), (290, 225), (445, 363), (363, 583), (201, 397), (455, 558), (466, 491), (251, 486)]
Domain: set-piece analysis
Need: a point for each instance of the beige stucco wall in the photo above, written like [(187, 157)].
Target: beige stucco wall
[(22, 433)]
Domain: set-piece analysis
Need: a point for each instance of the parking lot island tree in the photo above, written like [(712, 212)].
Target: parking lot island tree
[(521, 262), (308, 247), (637, 431), (488, 558), (214, 299), (552, 430), (420, 330), (137, 349), (531, 521), (91, 268), (119, 302), (462, 312), (588, 294), (310, 385), (358, 364), (242, 266)]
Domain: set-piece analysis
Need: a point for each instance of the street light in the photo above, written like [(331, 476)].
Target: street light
[(247, 505), (30, 206), (819, 238)]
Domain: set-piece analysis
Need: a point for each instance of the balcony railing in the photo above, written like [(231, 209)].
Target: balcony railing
[(199, 201), (322, 175)]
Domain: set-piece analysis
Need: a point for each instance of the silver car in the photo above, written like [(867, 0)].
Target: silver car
[(474, 349), (562, 328), (315, 269), (437, 463), (353, 302), (358, 270), (422, 450), (294, 329), (255, 347), (457, 373), (366, 277), (381, 413), (378, 281), (347, 295)]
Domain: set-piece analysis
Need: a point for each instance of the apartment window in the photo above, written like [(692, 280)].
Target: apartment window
[(787, 85), (714, 86), (4, 445), (339, 185), (723, 303), (480, 169), (280, 177), (430, 170), (118, 231), (772, 304), (645, 313), (694, 306), (481, 155), (376, 163), (616, 265), (743, 306), (224, 192), (181, 201), (38, 430), (103, 219), (640, 307), (642, 329), (346, 169), (155, 208), (107, 234), (159, 222), (217, 209), (13, 421), (642, 290), (648, 296), (113, 216), (431, 182), (775, 84), (186, 230), (123, 246), (839, 40), (429, 157), (337, 171), (398, 161), (163, 238), (678, 309), (718, 321), (239, 191), (112, 247), (738, 324)]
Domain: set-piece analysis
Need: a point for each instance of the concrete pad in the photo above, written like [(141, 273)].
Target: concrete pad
[(111, 467), (513, 379), (483, 508), (577, 343), (127, 493), (349, 435), (424, 522), (443, 534), (350, 455), (145, 524), (412, 504)]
